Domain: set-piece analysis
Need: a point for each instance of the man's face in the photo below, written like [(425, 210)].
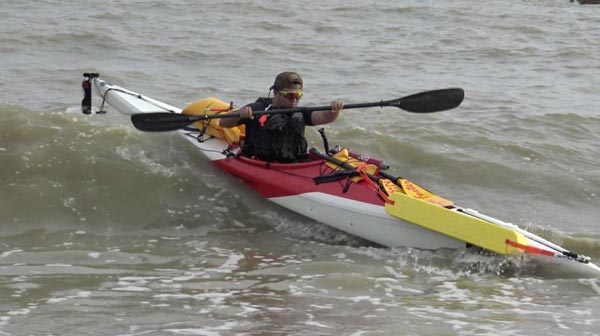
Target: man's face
[(288, 97)]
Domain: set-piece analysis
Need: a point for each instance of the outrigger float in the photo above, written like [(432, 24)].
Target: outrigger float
[(347, 191)]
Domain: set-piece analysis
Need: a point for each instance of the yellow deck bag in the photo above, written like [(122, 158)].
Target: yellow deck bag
[(212, 106)]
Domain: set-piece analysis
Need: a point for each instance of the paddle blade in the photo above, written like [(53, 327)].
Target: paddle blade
[(162, 121), (430, 101)]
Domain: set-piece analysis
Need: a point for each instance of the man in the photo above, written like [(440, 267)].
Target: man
[(280, 137)]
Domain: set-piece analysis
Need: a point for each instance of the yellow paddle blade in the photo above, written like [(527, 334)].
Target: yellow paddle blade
[(455, 224), (417, 192)]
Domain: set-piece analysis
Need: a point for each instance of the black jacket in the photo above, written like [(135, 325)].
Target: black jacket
[(275, 138)]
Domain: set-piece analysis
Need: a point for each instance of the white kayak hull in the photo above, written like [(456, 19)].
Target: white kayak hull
[(365, 220)]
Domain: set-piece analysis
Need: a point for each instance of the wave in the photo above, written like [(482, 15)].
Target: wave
[(95, 172), (79, 171)]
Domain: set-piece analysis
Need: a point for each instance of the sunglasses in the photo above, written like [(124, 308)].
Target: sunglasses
[(291, 95)]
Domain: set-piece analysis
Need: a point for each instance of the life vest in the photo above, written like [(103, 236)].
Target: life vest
[(275, 138)]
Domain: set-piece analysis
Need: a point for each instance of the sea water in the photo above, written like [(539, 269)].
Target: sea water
[(105, 230)]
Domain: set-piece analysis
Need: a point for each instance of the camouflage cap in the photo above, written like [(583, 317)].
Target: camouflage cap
[(286, 80)]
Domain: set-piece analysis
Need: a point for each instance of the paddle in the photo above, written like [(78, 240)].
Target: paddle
[(423, 102)]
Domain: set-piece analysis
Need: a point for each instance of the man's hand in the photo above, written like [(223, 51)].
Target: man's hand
[(337, 106), (246, 113)]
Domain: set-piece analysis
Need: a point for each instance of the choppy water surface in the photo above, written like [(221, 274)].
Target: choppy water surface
[(105, 230)]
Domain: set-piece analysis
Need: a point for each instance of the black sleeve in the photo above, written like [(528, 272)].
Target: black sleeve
[(308, 118), (255, 107)]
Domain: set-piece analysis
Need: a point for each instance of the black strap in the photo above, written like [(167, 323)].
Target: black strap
[(335, 176)]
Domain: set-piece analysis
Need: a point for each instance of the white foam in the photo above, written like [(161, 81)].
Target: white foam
[(84, 294), (132, 289), (170, 238), (394, 272), (56, 300), (229, 265), (7, 253), (317, 324), (23, 311), (321, 306)]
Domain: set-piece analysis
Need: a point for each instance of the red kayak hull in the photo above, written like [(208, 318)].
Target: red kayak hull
[(289, 179)]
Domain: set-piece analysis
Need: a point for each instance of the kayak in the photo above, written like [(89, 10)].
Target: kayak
[(344, 190)]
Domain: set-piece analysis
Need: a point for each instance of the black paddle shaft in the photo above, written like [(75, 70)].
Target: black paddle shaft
[(424, 102)]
